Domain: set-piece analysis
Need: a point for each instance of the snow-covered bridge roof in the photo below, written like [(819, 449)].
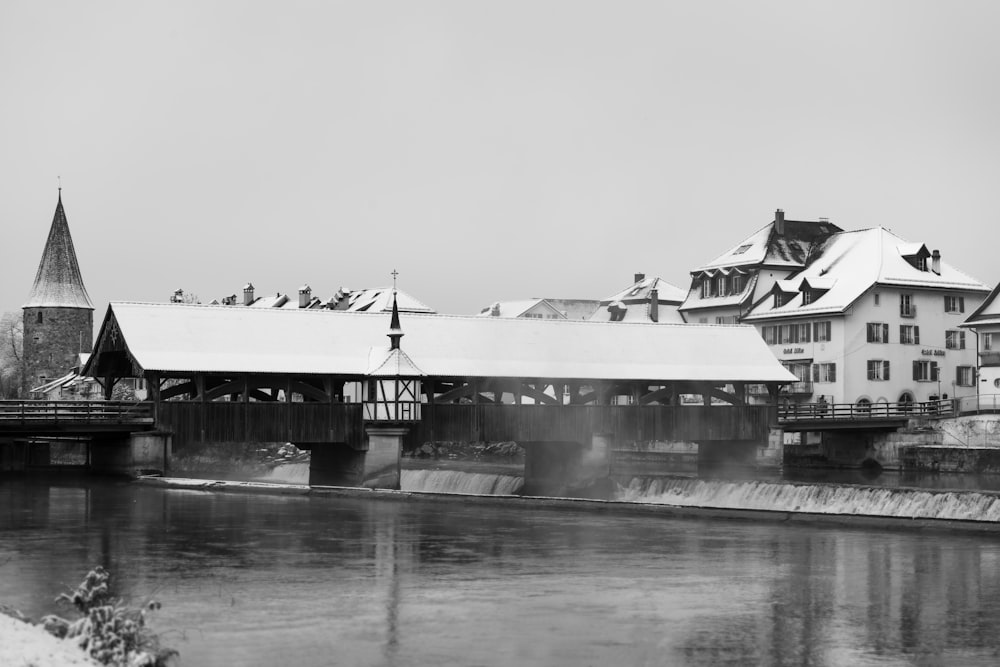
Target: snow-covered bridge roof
[(178, 338)]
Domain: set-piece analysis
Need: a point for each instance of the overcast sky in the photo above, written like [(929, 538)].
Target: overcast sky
[(485, 150)]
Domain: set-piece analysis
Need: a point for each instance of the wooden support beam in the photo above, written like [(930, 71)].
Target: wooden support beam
[(538, 395)]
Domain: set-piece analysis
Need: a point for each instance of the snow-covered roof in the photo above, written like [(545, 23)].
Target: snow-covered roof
[(642, 291), (850, 263), (767, 247), (987, 313), (517, 308), (189, 339), (379, 300), (58, 282)]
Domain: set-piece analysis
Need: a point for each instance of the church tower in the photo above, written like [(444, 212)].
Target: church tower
[(58, 315)]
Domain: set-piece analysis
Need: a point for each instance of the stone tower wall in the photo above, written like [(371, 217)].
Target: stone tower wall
[(51, 346)]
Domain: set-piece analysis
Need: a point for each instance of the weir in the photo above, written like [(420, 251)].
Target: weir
[(815, 498)]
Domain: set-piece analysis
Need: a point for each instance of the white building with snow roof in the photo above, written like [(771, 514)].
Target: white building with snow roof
[(645, 300), (725, 289), (869, 318), (984, 323)]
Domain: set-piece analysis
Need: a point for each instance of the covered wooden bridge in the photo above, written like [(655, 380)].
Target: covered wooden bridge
[(332, 381)]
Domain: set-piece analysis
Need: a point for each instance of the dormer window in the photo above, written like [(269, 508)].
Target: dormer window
[(720, 285), (742, 249), (916, 254), (706, 287), (737, 283)]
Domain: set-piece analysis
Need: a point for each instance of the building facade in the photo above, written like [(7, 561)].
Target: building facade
[(984, 326), (58, 316), (859, 317)]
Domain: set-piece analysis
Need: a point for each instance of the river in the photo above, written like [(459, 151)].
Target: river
[(297, 580)]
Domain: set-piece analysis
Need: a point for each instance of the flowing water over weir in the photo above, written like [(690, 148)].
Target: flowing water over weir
[(457, 481), (814, 498)]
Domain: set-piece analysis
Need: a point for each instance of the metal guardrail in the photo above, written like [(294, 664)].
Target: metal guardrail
[(973, 405), (74, 412), (799, 412)]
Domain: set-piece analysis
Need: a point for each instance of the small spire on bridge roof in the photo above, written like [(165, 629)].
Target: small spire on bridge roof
[(395, 330)]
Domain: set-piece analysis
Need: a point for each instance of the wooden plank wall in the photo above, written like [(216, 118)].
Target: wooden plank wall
[(193, 421), (579, 422), (224, 421)]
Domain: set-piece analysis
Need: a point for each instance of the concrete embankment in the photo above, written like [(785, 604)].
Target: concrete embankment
[(580, 505)]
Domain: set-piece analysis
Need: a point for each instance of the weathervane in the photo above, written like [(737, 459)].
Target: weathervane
[(394, 274)]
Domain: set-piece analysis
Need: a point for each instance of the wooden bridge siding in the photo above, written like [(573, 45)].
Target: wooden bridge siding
[(254, 421), (579, 422)]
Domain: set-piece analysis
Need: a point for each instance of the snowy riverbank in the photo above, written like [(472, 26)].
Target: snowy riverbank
[(25, 644)]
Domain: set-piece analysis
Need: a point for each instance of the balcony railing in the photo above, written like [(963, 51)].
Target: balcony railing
[(908, 311)]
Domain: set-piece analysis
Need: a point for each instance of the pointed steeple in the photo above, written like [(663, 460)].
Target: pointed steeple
[(58, 283), (395, 330)]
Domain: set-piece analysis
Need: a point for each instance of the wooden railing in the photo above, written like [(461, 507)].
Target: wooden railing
[(28, 413), (800, 412)]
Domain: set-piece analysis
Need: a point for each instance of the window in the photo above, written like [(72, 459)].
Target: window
[(906, 307), (789, 333), (964, 376), (824, 372), (702, 320), (954, 339), (736, 283), (876, 298), (706, 288), (742, 249), (925, 371), (821, 332), (878, 332), (720, 286), (804, 330), (39, 320), (952, 304), (921, 263), (878, 369), (807, 297), (725, 319), (770, 334), (909, 334), (780, 299), (987, 339)]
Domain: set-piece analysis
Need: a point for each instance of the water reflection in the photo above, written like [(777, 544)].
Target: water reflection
[(256, 580)]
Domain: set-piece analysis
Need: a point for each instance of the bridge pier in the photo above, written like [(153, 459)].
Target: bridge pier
[(561, 468), (131, 454), (13, 455), (374, 463)]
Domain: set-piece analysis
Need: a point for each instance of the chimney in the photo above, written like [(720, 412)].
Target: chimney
[(779, 222), (305, 296), (936, 262), (495, 310), (654, 305), (639, 276), (248, 294)]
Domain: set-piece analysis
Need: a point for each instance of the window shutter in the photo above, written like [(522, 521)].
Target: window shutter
[(815, 372), (871, 332), (833, 372), (871, 370), (916, 335), (885, 333), (934, 371), (961, 340), (961, 304), (885, 370), (916, 370)]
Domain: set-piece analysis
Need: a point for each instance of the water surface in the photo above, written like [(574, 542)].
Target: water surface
[(265, 580)]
